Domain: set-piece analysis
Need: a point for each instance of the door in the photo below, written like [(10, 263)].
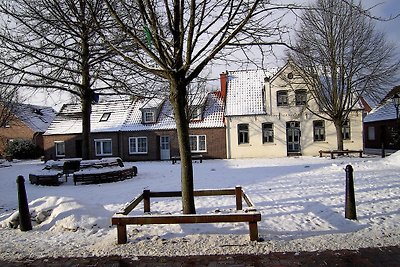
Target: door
[(293, 136), (164, 148), (78, 148)]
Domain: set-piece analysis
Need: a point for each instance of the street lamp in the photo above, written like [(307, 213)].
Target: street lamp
[(396, 103)]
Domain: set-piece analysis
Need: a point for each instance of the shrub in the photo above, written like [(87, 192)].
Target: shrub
[(23, 149)]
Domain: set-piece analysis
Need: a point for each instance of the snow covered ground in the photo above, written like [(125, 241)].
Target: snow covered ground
[(301, 201)]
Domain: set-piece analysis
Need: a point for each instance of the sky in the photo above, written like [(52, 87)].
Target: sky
[(381, 8)]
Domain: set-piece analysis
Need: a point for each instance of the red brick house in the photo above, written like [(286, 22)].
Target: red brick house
[(138, 129), (382, 125), (27, 122)]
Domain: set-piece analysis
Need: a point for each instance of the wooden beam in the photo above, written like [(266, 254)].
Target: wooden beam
[(132, 205), (186, 218)]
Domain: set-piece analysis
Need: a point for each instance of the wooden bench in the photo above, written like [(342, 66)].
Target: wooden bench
[(199, 157), (250, 215), (106, 176), (43, 179), (340, 152)]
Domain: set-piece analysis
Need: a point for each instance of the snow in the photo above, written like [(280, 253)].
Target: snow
[(301, 201)]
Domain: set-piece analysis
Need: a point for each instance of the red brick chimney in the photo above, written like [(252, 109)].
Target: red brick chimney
[(223, 77)]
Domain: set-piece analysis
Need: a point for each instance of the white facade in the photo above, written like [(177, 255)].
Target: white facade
[(259, 124)]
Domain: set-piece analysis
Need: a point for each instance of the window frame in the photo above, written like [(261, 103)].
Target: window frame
[(153, 116), (56, 144), (102, 142), (196, 113), (136, 145), (198, 143), (300, 97), (371, 135), (243, 134), (105, 116), (282, 95), (266, 139), (346, 130), (317, 131)]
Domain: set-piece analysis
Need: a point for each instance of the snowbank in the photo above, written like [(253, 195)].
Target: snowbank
[(301, 201)]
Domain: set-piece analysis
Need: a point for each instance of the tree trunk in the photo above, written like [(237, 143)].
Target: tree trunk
[(179, 102), (86, 96), (339, 135), (86, 103)]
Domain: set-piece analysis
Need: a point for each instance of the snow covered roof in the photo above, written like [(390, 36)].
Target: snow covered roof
[(126, 115), (245, 93), (107, 116), (213, 116), (37, 118), (152, 103), (385, 110)]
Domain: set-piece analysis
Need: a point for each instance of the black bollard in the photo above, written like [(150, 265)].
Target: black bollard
[(383, 150), (24, 215), (350, 211)]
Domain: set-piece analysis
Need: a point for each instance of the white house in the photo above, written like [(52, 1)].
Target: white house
[(266, 116)]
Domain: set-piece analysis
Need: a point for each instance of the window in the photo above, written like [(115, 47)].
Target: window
[(137, 145), (149, 116), (282, 98), (346, 130), (371, 133), (196, 113), (268, 132), (243, 134), (197, 143), (60, 148), (319, 130), (103, 147), (301, 97), (105, 116)]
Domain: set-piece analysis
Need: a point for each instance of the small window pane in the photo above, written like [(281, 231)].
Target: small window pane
[(371, 133), (268, 132), (301, 97), (149, 116), (346, 130), (243, 133), (282, 98), (60, 149), (319, 130)]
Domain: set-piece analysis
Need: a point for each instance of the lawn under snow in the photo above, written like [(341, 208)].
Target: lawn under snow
[(301, 201)]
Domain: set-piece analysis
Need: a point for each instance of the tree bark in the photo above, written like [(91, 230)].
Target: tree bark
[(86, 94), (339, 135), (178, 101)]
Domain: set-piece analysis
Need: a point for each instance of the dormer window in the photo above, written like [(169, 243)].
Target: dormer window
[(196, 114), (105, 116), (149, 117)]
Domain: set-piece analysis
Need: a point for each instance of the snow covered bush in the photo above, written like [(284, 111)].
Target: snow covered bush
[(23, 149)]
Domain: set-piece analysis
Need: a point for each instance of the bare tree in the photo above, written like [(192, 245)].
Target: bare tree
[(176, 40), (56, 45), (342, 57)]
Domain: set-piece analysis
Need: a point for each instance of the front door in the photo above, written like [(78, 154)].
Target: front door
[(293, 137), (164, 148)]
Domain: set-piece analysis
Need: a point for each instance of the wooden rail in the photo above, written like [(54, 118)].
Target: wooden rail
[(250, 215)]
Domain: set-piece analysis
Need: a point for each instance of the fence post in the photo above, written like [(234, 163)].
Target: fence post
[(238, 193), (146, 200), (350, 210), (25, 223)]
